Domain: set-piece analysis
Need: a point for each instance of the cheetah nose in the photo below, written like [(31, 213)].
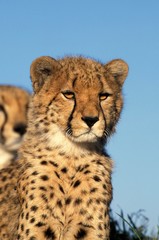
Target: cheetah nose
[(90, 121), (20, 128)]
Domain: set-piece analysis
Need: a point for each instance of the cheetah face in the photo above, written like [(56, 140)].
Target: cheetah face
[(81, 109), (80, 97), (13, 116)]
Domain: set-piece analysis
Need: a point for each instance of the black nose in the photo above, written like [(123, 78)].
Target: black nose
[(20, 128), (90, 121)]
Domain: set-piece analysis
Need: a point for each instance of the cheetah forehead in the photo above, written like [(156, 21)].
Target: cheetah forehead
[(76, 70), (83, 73)]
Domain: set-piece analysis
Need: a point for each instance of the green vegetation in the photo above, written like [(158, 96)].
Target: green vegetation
[(131, 227)]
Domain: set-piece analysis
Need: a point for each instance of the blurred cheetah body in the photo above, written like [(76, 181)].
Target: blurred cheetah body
[(13, 121)]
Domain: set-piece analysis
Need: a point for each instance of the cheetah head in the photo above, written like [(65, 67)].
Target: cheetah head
[(13, 116), (77, 97)]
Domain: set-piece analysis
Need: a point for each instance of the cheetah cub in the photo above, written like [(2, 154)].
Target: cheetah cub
[(13, 121), (60, 189)]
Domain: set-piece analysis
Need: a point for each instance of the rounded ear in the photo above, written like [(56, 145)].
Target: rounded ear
[(118, 69), (42, 68)]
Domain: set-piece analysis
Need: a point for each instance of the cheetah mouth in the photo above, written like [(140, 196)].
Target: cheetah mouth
[(88, 136)]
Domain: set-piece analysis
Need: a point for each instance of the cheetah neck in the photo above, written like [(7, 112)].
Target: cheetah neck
[(73, 148), (58, 142)]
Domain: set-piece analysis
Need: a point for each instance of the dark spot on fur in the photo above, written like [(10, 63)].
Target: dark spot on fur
[(99, 162), (44, 177), (82, 211), (82, 233), (100, 217), (32, 238), (98, 201), (77, 201), (84, 192), (49, 234), (27, 231), (43, 163), (48, 148), (27, 216), (87, 171), (46, 130), (43, 188), (35, 173), (93, 190), (76, 184), (100, 236), (100, 226), (22, 215), (61, 188), (62, 153), (68, 201), (89, 202), (4, 178), (44, 216), (51, 195), (22, 227), (34, 208), (57, 175), (105, 213), (31, 197), (40, 224), (59, 204), (53, 163), (64, 170), (43, 196), (82, 167), (90, 218), (32, 220), (96, 178)]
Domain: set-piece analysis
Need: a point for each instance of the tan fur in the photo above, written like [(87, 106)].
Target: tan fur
[(63, 178), (13, 120)]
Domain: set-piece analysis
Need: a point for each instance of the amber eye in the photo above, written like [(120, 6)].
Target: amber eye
[(103, 96), (69, 95)]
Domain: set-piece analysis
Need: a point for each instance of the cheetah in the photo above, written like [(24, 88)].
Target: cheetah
[(60, 189), (13, 121)]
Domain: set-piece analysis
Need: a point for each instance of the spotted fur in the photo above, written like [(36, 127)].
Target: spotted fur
[(60, 189), (13, 120)]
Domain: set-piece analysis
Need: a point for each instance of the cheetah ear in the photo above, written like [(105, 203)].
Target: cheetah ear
[(118, 69), (41, 69)]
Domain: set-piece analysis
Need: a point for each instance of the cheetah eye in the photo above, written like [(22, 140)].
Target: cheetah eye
[(103, 96), (68, 94)]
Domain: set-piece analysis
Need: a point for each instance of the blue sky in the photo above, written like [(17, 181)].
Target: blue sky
[(103, 30)]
